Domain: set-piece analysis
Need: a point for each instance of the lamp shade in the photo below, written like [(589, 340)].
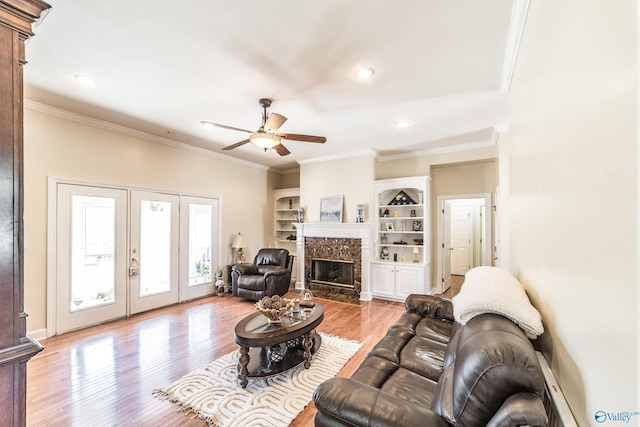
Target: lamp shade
[(265, 139), (416, 251), (239, 242)]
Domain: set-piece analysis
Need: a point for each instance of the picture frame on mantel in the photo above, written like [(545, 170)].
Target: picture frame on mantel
[(331, 209)]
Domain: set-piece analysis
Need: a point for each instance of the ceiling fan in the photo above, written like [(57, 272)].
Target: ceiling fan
[(266, 137)]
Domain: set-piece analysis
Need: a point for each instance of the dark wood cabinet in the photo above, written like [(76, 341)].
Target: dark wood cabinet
[(16, 348)]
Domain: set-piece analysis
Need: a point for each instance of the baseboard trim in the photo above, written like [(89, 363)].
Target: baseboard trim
[(38, 334)]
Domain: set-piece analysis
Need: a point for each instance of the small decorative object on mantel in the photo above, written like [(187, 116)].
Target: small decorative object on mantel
[(402, 199), (301, 215), (359, 213)]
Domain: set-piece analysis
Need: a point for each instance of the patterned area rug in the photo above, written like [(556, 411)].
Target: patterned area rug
[(213, 393)]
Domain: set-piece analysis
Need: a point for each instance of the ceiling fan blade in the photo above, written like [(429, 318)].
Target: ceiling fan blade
[(304, 138), (275, 120), (281, 149), (231, 128), (236, 145)]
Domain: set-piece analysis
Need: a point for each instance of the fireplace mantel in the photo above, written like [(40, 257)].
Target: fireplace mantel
[(362, 231)]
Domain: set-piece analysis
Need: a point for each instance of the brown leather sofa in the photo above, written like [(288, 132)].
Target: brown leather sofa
[(268, 275), (431, 371)]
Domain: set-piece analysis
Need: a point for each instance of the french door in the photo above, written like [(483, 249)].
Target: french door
[(153, 262), (199, 257), (91, 253), (121, 252)]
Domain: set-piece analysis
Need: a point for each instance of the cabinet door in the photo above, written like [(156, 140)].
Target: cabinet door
[(383, 279), (408, 281)]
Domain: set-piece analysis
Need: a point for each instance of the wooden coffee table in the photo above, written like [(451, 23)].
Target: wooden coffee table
[(267, 349)]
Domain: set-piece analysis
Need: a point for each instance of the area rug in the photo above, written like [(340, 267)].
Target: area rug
[(213, 393)]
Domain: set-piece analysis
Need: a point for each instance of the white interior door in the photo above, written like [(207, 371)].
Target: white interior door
[(446, 245), (200, 246), (153, 253), (460, 238), (91, 256)]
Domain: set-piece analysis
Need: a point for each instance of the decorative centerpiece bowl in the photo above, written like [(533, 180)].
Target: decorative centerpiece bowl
[(274, 308)]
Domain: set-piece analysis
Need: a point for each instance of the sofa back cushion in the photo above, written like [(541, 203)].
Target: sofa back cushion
[(272, 256), (493, 360)]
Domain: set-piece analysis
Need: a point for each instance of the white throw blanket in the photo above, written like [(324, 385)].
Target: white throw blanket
[(492, 290)]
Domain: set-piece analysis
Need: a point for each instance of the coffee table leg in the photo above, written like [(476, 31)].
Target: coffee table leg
[(242, 366), (307, 343)]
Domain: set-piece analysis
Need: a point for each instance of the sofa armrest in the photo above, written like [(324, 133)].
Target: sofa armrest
[(343, 401), (522, 409), (245, 269), (430, 306), (273, 271)]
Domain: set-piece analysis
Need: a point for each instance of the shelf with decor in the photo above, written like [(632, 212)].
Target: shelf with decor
[(286, 204), (401, 259)]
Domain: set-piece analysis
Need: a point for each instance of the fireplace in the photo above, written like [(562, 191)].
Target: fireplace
[(346, 246), (332, 272)]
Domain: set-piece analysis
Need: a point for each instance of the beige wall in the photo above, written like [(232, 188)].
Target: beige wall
[(421, 165), (459, 178), (569, 169), (351, 177), (66, 149)]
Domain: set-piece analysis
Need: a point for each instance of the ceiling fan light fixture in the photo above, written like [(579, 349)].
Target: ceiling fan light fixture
[(265, 140), (364, 73)]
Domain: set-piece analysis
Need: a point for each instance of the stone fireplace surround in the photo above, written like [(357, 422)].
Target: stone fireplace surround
[(338, 241)]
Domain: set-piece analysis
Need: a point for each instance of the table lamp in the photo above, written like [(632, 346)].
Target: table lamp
[(416, 251), (238, 244)]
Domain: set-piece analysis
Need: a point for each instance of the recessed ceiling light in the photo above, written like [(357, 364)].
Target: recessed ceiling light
[(207, 124), (85, 80), (364, 73), (403, 123)]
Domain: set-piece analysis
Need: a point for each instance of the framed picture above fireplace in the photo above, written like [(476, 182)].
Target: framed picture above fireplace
[(331, 209)]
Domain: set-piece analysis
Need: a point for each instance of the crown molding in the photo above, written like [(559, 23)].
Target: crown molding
[(101, 124), (491, 142), (361, 153), (516, 28)]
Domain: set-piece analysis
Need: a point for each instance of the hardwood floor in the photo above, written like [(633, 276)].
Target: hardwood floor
[(104, 375)]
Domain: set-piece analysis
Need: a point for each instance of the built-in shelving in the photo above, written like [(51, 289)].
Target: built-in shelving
[(401, 259)]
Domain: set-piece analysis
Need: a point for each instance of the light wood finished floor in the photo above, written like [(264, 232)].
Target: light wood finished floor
[(104, 375)]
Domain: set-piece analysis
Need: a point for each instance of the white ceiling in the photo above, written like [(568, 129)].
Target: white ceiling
[(164, 66)]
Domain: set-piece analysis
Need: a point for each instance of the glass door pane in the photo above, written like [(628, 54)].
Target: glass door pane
[(200, 244), (199, 231), (93, 223), (155, 247)]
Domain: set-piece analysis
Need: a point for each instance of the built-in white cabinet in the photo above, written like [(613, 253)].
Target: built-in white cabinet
[(286, 204), (401, 259)]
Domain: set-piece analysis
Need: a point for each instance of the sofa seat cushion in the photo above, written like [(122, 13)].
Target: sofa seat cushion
[(423, 356), (410, 387), (253, 283), (374, 371), (392, 344)]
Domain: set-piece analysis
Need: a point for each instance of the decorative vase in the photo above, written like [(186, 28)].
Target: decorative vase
[(220, 292)]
